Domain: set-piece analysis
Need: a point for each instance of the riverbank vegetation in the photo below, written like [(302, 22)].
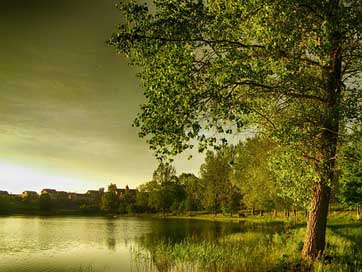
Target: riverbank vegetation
[(261, 246)]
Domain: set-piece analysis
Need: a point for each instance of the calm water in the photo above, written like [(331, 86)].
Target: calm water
[(90, 244)]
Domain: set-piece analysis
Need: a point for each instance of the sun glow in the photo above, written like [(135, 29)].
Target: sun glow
[(17, 178)]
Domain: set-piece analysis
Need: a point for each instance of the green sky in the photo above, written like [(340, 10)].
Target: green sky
[(67, 101)]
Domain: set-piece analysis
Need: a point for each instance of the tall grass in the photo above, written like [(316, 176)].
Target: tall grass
[(344, 248), (262, 248)]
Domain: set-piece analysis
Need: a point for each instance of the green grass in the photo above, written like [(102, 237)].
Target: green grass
[(344, 247), (267, 217), (265, 246)]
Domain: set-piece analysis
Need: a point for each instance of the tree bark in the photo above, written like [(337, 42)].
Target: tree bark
[(314, 242)]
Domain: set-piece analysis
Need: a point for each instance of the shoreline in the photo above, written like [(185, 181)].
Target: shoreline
[(333, 218)]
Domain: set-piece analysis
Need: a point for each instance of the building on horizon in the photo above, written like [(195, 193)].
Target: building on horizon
[(51, 192), (122, 192), (29, 195)]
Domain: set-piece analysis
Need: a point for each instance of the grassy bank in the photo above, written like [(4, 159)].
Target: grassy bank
[(334, 216), (266, 245)]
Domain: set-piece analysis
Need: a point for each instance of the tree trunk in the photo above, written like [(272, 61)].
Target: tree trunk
[(287, 213), (358, 213), (314, 242)]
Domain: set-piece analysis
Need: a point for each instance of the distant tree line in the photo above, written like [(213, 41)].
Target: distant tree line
[(50, 202), (254, 176), (46, 204)]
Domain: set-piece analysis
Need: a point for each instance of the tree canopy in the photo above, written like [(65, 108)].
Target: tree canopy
[(290, 69), (219, 65)]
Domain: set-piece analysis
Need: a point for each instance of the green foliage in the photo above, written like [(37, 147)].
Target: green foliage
[(4, 204), (351, 179), (252, 175), (193, 190), (142, 197), (260, 247), (218, 66), (294, 177), (215, 178), (89, 209), (127, 203), (289, 69), (45, 203), (164, 193), (232, 201), (110, 200)]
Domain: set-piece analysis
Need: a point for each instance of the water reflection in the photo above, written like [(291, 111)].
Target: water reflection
[(44, 244), (177, 230), (111, 235)]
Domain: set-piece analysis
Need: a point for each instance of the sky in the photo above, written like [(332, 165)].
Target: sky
[(67, 101)]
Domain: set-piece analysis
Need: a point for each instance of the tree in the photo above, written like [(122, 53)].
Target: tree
[(164, 173), (127, 202), (232, 200), (156, 200), (45, 203), (193, 190), (110, 200), (215, 177), (165, 193), (351, 179), (4, 203), (165, 176), (252, 174), (143, 196), (288, 68)]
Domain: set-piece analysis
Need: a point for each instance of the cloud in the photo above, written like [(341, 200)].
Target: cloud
[(67, 101)]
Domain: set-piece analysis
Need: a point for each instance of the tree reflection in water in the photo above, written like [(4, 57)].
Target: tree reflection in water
[(111, 235)]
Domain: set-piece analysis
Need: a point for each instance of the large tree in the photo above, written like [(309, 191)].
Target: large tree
[(286, 67), (167, 193)]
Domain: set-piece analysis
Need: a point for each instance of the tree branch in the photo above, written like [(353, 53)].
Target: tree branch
[(133, 37)]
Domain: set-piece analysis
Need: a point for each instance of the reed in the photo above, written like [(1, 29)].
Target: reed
[(263, 248)]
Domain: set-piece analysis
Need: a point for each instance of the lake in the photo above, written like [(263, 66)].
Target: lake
[(40, 244)]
